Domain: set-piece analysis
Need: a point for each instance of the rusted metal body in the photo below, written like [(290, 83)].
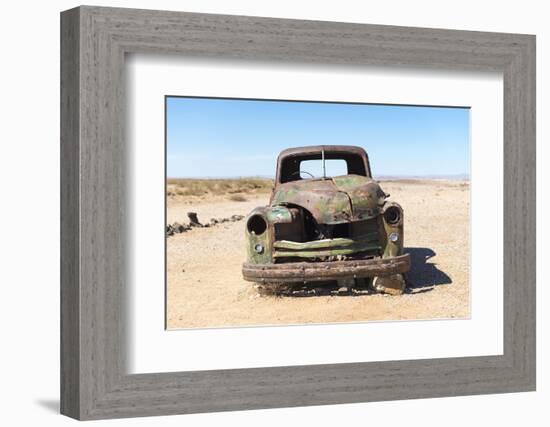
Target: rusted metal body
[(326, 228)]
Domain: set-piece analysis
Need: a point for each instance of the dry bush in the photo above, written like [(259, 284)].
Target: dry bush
[(202, 187), (237, 198)]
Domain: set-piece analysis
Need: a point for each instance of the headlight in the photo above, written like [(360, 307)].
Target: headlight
[(256, 225), (394, 237), (392, 215)]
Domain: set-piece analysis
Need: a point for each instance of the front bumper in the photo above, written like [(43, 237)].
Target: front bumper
[(293, 272)]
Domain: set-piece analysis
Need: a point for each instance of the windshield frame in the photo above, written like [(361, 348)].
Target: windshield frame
[(288, 162)]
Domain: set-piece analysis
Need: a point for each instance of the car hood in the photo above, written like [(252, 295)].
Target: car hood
[(333, 200)]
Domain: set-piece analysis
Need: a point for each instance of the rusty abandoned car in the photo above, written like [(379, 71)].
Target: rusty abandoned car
[(319, 229)]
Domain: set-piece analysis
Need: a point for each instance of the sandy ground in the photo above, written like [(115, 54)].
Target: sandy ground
[(205, 287)]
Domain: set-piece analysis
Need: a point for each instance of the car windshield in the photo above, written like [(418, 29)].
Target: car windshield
[(309, 166), (317, 168)]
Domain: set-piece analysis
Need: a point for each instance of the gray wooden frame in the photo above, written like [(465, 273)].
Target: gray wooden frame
[(94, 382)]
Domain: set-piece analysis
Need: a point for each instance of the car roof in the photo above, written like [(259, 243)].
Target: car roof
[(312, 149), (331, 152)]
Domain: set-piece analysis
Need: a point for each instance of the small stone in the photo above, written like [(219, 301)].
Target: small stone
[(194, 219), (178, 228)]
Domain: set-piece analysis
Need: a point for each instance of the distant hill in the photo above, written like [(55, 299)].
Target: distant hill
[(260, 178), (455, 177)]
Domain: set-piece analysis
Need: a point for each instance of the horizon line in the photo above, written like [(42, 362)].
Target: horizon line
[(458, 176)]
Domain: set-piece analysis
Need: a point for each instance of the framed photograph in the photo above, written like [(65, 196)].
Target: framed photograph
[(346, 212)]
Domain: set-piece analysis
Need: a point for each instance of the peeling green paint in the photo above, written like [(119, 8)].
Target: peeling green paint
[(278, 214), (324, 243), (333, 200), (356, 247)]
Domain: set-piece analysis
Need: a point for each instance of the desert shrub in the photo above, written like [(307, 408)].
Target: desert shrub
[(237, 198), (233, 186)]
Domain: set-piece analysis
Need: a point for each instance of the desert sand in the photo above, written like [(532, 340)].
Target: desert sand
[(205, 288)]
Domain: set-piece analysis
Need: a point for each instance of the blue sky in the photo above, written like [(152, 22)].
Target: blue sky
[(209, 137)]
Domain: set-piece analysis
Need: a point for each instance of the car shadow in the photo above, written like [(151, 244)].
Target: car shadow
[(424, 275)]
